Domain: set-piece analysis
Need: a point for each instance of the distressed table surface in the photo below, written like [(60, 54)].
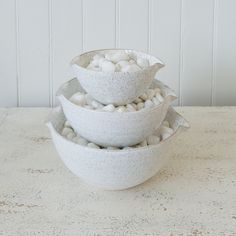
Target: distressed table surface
[(195, 194)]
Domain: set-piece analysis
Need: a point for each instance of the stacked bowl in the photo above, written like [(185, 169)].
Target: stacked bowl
[(115, 128)]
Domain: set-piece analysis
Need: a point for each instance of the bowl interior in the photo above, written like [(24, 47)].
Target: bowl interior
[(73, 86), (84, 59), (176, 121)]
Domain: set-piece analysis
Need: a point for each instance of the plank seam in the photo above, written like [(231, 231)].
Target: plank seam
[(180, 103), (117, 23), (51, 89), (82, 25), (214, 46), (149, 25), (18, 74)]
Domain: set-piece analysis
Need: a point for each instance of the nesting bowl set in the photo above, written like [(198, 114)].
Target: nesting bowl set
[(121, 168)]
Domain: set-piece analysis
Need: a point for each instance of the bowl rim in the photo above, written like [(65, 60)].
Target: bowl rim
[(73, 61), (184, 125), (114, 112)]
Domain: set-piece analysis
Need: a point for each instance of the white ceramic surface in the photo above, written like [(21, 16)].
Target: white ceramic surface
[(115, 87), (113, 128), (114, 169)]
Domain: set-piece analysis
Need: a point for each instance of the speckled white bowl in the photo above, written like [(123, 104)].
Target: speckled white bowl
[(114, 169), (113, 128), (115, 87)]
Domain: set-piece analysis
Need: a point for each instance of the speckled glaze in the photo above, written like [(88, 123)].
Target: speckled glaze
[(115, 87), (112, 169), (113, 128)]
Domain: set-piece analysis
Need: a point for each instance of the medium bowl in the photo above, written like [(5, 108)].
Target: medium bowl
[(114, 169), (113, 128), (118, 88)]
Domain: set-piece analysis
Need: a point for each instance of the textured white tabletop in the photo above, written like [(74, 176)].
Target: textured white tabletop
[(195, 194)]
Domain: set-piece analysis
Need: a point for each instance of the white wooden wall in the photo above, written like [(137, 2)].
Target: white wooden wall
[(195, 38)]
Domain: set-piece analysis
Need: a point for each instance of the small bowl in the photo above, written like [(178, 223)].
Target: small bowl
[(118, 88), (113, 128), (114, 169)]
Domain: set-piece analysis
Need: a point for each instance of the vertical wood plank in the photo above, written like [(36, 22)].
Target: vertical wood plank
[(165, 28), (134, 19), (34, 52), (8, 76), (224, 90), (66, 39), (197, 52), (99, 24)]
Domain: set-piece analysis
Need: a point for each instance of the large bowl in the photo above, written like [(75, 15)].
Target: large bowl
[(115, 87), (113, 128), (114, 169)]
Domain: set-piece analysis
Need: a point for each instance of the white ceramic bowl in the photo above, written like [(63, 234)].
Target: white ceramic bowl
[(115, 87), (113, 128), (114, 169)]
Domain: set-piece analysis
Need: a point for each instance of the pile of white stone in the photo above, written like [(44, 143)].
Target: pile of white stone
[(165, 132), (151, 98), (117, 62)]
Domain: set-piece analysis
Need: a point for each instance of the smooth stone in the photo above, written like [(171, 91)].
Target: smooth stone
[(153, 139), (148, 104), (109, 107), (142, 62), (93, 145)]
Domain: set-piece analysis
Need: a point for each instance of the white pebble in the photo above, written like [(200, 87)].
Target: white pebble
[(93, 145), (122, 63), (157, 90), (95, 62), (150, 93), (76, 138), (129, 107), (66, 131), (144, 96), (165, 136), (82, 141), (100, 62), (121, 109), (96, 105), (98, 56), (134, 105), (67, 124), (131, 68), (138, 100), (155, 101), (166, 123), (90, 66), (140, 105), (119, 56), (70, 135), (153, 139), (89, 99), (132, 62), (109, 56), (142, 62), (143, 143), (109, 107), (165, 129), (78, 98), (159, 97), (165, 132), (148, 104), (108, 66)]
